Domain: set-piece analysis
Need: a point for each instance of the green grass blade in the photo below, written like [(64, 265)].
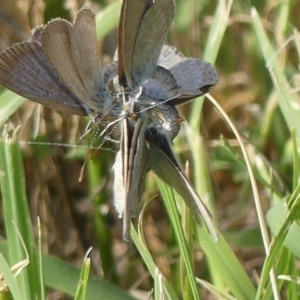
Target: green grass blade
[(108, 19), (286, 100), (62, 276), (152, 267), (8, 279), (83, 280), (16, 213), (224, 261), (213, 43), (9, 103), (190, 290), (40, 262)]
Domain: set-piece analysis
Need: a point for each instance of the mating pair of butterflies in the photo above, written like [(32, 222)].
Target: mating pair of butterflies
[(59, 68)]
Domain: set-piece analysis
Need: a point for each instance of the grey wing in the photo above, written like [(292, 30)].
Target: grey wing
[(161, 86), (85, 55), (150, 39), (129, 169), (163, 162), (25, 70), (132, 13), (194, 76), (55, 40), (142, 31)]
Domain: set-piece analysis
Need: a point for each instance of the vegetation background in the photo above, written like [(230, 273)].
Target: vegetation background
[(250, 181)]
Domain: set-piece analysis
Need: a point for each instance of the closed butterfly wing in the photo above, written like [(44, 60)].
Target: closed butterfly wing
[(162, 161), (150, 39), (130, 169), (132, 13), (142, 32)]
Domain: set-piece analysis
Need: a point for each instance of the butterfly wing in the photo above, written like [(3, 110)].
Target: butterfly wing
[(25, 70), (56, 42), (132, 13), (194, 76), (85, 55), (58, 67), (161, 86), (163, 162), (150, 39), (130, 169), (142, 32)]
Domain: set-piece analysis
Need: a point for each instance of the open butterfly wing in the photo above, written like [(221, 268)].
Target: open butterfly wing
[(26, 70), (194, 76)]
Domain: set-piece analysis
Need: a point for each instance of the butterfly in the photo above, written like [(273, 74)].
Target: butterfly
[(59, 68)]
